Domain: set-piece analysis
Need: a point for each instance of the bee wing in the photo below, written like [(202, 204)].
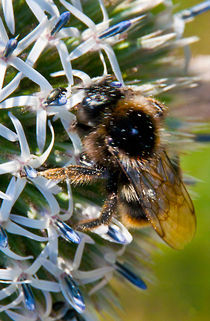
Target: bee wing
[(166, 201), (164, 198)]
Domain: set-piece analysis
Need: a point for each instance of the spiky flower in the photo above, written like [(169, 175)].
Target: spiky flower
[(49, 271)]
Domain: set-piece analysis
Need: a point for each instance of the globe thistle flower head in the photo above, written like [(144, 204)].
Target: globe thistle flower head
[(53, 268)]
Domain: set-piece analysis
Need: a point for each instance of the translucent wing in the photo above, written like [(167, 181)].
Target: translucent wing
[(164, 198)]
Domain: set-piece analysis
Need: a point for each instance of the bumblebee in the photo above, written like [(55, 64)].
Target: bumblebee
[(121, 134)]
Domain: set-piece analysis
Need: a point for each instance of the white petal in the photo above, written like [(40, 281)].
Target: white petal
[(78, 254), (41, 159), (66, 122), (32, 223), (101, 284), (82, 75), (48, 305), (31, 73), (9, 14), (25, 151), (36, 51), (113, 61), (8, 89), (5, 196), (76, 141), (35, 266), (41, 119), (53, 203), (4, 293), (16, 229), (14, 190), (70, 197), (35, 8), (14, 256), (104, 12), (7, 204), (179, 25), (45, 285), (9, 274), (84, 47), (69, 32), (101, 230), (56, 110), (8, 133), (3, 34), (32, 36), (75, 99), (103, 62), (63, 53), (3, 68), (49, 7), (94, 275), (20, 317), (53, 244), (47, 184), (78, 14), (51, 267), (58, 73), (19, 101), (19, 186), (9, 167), (77, 4)]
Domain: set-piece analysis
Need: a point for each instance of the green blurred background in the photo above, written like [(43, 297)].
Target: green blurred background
[(181, 291)]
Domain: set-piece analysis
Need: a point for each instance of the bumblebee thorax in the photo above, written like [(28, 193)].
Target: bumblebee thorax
[(133, 131)]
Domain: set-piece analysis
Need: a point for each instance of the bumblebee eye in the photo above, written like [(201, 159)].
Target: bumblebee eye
[(93, 106)]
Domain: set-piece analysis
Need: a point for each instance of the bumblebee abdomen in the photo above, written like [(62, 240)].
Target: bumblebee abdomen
[(133, 132)]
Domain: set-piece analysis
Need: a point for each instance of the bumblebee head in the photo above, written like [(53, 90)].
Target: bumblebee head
[(98, 101)]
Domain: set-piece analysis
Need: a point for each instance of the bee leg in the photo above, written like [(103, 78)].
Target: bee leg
[(107, 212), (77, 174)]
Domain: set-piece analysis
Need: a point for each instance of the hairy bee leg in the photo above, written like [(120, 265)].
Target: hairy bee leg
[(77, 174), (107, 212)]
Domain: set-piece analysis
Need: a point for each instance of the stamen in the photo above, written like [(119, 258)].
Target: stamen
[(28, 297), (56, 97), (118, 236), (64, 18), (67, 232), (116, 29), (3, 237), (30, 171), (120, 27), (116, 84), (10, 47), (195, 10), (72, 293), (130, 276)]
